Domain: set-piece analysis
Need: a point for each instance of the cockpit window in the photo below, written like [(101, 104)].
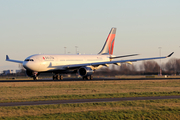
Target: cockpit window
[(28, 60)]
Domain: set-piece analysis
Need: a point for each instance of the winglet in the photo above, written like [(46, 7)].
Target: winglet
[(7, 57), (170, 54)]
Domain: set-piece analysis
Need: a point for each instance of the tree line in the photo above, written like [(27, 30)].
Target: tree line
[(172, 67)]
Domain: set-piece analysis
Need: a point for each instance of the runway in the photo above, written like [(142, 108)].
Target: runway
[(86, 100), (80, 79)]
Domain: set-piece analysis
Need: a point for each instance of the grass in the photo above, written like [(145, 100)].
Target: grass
[(55, 90), (32, 91), (149, 109)]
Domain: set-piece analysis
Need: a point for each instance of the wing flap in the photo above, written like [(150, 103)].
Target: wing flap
[(123, 56)]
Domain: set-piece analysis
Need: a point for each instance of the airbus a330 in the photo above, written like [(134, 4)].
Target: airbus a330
[(84, 65)]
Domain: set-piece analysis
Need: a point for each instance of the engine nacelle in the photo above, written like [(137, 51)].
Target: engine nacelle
[(85, 71), (31, 73)]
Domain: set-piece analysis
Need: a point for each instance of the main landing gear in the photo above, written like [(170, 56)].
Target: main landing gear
[(88, 77), (57, 77)]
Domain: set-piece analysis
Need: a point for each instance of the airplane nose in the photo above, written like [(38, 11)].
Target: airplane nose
[(29, 65), (26, 65)]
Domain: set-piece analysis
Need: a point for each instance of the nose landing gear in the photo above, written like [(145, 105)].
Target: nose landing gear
[(35, 77)]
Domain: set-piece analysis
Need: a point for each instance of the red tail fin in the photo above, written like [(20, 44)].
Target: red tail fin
[(109, 44)]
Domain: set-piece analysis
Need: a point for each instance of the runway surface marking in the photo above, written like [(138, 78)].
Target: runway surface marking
[(86, 100)]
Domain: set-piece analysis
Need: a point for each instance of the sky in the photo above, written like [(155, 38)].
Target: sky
[(47, 26)]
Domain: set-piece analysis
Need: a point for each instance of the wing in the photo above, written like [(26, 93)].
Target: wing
[(113, 62), (10, 60)]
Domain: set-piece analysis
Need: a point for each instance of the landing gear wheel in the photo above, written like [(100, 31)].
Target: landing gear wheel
[(91, 77), (54, 77), (61, 77), (35, 78), (88, 77), (57, 77), (84, 77)]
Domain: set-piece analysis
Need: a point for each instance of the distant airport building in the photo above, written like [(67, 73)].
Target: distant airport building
[(18, 71), (6, 72)]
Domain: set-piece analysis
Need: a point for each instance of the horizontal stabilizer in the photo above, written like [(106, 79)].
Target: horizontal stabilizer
[(16, 61), (7, 57)]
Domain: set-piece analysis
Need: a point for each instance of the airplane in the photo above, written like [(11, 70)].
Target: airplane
[(84, 65)]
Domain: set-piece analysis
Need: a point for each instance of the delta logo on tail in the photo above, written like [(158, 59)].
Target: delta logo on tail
[(109, 44)]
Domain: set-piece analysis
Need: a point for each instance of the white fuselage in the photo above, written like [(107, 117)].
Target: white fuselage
[(49, 62)]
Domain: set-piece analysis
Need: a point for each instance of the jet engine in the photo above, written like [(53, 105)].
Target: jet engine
[(85, 71)]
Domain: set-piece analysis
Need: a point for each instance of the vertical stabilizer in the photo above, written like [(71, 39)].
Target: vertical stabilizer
[(109, 44)]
